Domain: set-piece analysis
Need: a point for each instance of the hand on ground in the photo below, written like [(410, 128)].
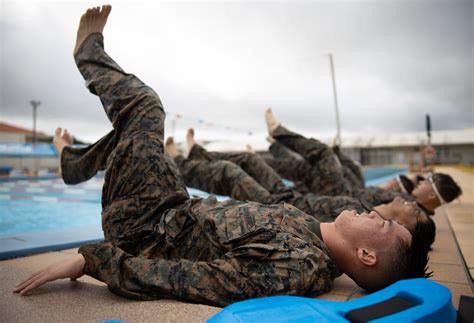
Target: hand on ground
[(71, 268)]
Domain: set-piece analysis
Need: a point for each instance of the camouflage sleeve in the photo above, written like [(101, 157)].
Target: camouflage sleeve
[(147, 279), (217, 283)]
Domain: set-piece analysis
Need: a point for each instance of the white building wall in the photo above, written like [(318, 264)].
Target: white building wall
[(9, 137), (34, 164)]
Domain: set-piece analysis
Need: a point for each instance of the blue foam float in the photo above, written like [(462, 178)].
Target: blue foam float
[(411, 300)]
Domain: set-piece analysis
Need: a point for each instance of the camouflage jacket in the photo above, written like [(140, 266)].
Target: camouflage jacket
[(219, 253)]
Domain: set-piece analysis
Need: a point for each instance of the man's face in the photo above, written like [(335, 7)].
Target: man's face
[(404, 212), (423, 191), (369, 230)]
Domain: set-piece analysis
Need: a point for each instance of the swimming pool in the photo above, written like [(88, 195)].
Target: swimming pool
[(38, 215)]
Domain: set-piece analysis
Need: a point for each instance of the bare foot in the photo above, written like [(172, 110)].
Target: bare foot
[(270, 139), (190, 138), (59, 140), (272, 123), (92, 21), (170, 147), (66, 136)]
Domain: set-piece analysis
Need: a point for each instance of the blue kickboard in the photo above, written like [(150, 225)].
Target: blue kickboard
[(431, 303)]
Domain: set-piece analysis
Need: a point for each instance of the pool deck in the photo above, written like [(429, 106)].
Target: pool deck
[(89, 300)]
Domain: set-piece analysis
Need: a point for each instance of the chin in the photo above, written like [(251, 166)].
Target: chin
[(343, 216)]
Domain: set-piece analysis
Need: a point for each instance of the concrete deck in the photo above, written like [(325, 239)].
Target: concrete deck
[(89, 300)]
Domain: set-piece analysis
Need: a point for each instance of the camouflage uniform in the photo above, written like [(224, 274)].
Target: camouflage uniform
[(325, 174), (202, 171), (293, 167), (161, 244), (352, 171), (328, 176), (288, 165), (242, 176), (375, 195), (222, 177)]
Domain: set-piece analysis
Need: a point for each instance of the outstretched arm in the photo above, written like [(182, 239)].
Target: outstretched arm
[(71, 268), (217, 283)]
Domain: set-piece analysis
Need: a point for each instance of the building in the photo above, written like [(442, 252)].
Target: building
[(452, 147), (13, 134), (18, 155)]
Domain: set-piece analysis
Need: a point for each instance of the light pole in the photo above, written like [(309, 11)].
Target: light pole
[(35, 105), (338, 122)]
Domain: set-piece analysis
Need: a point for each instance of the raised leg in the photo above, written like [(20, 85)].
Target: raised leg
[(221, 177), (141, 181)]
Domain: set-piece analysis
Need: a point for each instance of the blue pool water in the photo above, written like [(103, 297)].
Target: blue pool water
[(378, 175), (28, 206), (35, 216)]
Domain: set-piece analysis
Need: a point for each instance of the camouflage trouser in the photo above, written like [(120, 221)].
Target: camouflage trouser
[(289, 165), (242, 176), (141, 181), (327, 208), (352, 171), (293, 167), (254, 165), (220, 176), (376, 196), (325, 176)]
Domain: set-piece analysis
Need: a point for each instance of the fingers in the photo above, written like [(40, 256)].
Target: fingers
[(40, 280), (27, 281), (33, 281)]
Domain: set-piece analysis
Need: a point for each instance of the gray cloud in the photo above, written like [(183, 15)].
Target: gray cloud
[(225, 62)]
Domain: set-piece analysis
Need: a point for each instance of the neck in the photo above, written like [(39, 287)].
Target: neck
[(379, 209), (337, 246), (430, 205)]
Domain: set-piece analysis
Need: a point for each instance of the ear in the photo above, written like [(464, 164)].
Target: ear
[(367, 257)]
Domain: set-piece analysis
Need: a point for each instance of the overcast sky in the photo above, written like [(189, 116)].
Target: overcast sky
[(220, 64)]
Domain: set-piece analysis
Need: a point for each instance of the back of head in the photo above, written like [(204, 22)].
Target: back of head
[(447, 187), (407, 261), (427, 232), (406, 185)]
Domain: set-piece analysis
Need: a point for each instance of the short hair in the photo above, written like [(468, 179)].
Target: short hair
[(418, 179), (413, 259), (447, 187), (406, 183), (428, 230), (409, 261)]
